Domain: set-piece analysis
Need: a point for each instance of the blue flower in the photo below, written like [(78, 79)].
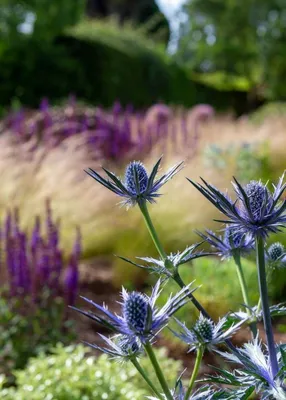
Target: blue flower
[(140, 317), (206, 333), (255, 211), (120, 347), (256, 370), (137, 186), (231, 243), (276, 255)]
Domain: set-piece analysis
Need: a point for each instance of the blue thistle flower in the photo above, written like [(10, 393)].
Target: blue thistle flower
[(206, 333), (276, 255), (120, 347), (255, 211), (231, 243), (276, 251), (256, 370), (137, 185), (140, 317)]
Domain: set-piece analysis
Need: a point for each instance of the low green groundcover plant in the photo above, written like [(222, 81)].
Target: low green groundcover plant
[(71, 374)]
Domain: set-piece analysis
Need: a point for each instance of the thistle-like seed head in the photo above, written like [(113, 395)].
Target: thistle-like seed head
[(204, 329), (135, 310), (136, 167), (275, 251), (257, 195)]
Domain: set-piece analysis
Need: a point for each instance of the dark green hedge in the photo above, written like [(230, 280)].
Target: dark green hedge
[(100, 71)]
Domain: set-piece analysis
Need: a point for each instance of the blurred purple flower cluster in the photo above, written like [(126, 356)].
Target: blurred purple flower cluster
[(114, 134), (35, 265)]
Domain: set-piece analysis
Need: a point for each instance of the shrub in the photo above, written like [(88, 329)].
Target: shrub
[(68, 375), (94, 60)]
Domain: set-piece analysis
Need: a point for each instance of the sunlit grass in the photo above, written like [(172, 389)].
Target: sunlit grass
[(106, 228)]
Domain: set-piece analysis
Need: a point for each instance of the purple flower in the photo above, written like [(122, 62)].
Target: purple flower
[(231, 243), (256, 211), (140, 317), (137, 186), (71, 279)]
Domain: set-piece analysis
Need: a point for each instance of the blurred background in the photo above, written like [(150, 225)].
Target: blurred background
[(91, 83)]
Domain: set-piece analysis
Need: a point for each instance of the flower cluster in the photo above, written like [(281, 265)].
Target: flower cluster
[(250, 218), (36, 263), (116, 134)]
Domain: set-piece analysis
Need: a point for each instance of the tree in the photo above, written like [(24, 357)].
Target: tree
[(235, 38), (139, 12)]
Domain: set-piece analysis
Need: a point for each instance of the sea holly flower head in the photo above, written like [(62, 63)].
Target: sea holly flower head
[(121, 347), (255, 211), (206, 333), (140, 317), (170, 266), (231, 243), (256, 372), (137, 186), (276, 255)]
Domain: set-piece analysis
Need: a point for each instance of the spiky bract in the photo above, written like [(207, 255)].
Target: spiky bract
[(231, 243), (137, 186), (140, 317), (255, 211)]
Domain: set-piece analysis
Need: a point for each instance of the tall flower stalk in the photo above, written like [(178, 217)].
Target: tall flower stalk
[(260, 259), (256, 212)]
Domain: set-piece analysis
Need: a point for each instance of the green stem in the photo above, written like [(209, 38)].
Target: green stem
[(158, 370), (196, 303), (176, 276), (152, 230), (200, 353), (142, 372), (241, 278), (260, 260), (258, 305)]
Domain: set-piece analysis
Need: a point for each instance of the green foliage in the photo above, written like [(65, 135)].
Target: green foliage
[(208, 42), (41, 20), (25, 334), (219, 292), (68, 374), (93, 60), (143, 13), (251, 160), (269, 110)]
